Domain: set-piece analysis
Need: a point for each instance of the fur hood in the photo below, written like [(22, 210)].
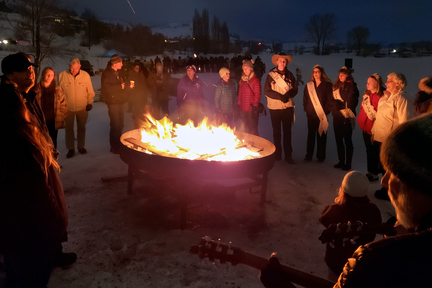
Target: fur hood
[(425, 85)]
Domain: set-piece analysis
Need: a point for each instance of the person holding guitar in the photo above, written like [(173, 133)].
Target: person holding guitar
[(402, 260), (352, 204)]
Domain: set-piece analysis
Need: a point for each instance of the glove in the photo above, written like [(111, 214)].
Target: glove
[(272, 276), (89, 107)]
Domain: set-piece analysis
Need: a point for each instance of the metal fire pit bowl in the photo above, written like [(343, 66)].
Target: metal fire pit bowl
[(186, 173), (193, 169)]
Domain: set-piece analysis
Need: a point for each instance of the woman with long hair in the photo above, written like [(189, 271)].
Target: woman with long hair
[(316, 97), (352, 204), (52, 101), (344, 103), (33, 214), (366, 119)]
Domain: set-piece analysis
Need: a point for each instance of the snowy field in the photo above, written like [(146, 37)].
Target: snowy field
[(134, 240)]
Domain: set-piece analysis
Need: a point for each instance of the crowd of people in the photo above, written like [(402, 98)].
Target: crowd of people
[(31, 241)]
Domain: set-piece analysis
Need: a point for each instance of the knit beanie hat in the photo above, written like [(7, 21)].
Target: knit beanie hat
[(407, 153), (223, 71), (355, 184), (248, 63)]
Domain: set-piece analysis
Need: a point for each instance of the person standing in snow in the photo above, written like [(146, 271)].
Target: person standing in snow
[(78, 88), (190, 96), (344, 103), (393, 110), (280, 88), (52, 101), (249, 95), (316, 97), (225, 98), (113, 87), (366, 119), (352, 204), (159, 83)]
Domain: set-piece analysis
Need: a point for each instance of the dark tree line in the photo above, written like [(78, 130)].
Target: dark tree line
[(206, 39)]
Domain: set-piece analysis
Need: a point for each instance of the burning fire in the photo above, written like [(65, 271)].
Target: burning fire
[(204, 142)]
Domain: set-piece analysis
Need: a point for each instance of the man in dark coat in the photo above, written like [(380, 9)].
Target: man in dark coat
[(113, 88)]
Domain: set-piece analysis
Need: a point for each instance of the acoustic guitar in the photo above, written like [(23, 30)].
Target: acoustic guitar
[(208, 248)]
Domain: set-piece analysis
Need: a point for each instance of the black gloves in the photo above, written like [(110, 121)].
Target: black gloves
[(89, 107)]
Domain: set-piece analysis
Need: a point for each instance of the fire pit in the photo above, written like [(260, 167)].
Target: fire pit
[(150, 159)]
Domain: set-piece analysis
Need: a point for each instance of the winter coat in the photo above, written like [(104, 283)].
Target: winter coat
[(246, 97), (159, 90), (393, 110), (355, 209), (397, 262), (225, 96), (32, 203), (350, 94), (324, 92), (59, 105), (112, 87), (78, 90), (364, 122), (275, 100), (189, 90)]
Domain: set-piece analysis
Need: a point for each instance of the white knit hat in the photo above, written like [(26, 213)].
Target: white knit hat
[(355, 184), (223, 71)]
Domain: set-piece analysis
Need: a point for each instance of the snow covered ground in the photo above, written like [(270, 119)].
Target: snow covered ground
[(134, 240)]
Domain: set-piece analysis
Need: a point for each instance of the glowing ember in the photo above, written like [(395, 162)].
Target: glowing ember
[(204, 142)]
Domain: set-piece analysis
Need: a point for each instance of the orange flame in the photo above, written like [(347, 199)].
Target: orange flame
[(204, 142)]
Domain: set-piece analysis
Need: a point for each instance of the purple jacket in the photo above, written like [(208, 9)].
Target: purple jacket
[(188, 90)]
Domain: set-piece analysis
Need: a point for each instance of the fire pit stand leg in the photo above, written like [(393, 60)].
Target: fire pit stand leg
[(264, 189)]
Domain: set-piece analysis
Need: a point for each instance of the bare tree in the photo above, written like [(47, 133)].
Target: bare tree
[(36, 27), (320, 28), (359, 35)]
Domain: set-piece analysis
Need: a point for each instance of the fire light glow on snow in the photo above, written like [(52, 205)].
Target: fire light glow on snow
[(204, 142)]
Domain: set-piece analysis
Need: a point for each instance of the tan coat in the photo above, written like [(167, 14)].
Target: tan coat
[(78, 90)]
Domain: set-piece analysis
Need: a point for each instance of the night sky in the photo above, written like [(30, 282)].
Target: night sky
[(388, 21)]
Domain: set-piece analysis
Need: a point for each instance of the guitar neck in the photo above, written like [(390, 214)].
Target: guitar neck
[(296, 276)]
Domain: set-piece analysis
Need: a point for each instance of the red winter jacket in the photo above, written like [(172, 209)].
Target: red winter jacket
[(245, 95), (364, 122)]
